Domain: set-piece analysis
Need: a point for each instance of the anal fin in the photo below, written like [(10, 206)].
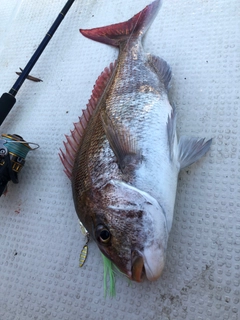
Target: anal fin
[(162, 69), (123, 145), (191, 150)]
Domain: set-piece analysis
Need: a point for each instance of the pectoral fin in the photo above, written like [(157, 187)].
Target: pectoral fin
[(191, 150), (123, 145)]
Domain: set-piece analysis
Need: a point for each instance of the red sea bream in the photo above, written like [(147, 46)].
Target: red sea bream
[(123, 157)]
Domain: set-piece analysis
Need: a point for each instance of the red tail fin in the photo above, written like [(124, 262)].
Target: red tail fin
[(115, 34)]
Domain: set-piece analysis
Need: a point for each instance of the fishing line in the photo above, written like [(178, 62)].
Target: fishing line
[(21, 148), (13, 152)]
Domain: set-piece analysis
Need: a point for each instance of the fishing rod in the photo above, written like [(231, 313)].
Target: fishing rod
[(13, 148), (8, 100)]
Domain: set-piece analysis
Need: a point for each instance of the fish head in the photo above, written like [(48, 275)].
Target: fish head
[(130, 229)]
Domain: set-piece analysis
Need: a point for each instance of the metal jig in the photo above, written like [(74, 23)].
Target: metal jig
[(84, 252)]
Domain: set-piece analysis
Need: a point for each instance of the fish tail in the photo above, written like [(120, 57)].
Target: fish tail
[(118, 33)]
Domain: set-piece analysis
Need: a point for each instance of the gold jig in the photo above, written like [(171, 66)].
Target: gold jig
[(83, 255), (84, 252)]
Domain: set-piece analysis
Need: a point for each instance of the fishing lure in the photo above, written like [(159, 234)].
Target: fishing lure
[(34, 79), (109, 276), (84, 252)]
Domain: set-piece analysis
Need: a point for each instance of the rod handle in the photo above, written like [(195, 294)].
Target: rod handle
[(7, 101)]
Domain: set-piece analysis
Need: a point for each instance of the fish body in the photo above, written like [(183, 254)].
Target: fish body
[(123, 157)]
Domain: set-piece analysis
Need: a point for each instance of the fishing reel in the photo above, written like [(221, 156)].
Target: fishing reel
[(13, 152)]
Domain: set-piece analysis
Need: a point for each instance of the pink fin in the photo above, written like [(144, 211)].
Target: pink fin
[(117, 33), (74, 140)]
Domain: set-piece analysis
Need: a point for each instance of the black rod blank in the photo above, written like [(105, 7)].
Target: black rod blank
[(8, 100)]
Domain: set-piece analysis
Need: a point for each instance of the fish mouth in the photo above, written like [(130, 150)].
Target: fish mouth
[(145, 265), (138, 269)]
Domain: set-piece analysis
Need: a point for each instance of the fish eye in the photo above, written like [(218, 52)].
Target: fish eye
[(103, 235)]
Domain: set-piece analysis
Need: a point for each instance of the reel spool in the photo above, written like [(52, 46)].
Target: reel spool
[(13, 152)]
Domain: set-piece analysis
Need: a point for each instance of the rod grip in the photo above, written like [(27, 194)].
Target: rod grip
[(7, 101)]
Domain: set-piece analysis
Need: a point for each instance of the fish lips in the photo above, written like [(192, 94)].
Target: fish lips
[(149, 264)]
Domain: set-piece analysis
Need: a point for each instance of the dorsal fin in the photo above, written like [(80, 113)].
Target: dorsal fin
[(74, 140)]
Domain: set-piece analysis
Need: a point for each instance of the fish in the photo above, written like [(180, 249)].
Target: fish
[(124, 156)]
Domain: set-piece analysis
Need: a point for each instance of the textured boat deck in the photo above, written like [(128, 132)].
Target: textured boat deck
[(40, 238)]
